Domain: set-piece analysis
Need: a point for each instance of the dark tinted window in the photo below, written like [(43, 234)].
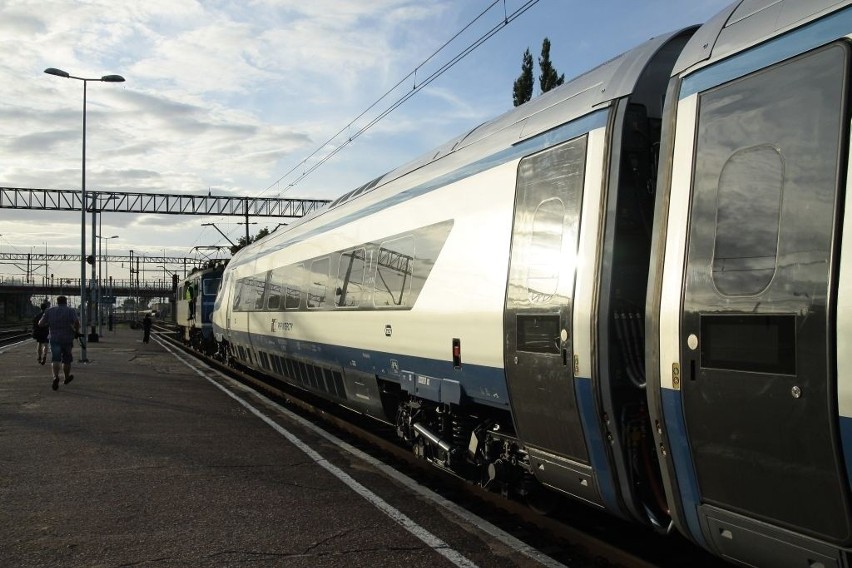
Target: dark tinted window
[(764, 180), (211, 286), (747, 229), (761, 344), (538, 334)]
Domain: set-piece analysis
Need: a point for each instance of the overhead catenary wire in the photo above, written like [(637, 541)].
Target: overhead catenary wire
[(416, 88)]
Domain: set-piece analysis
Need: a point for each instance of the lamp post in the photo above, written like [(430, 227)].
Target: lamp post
[(107, 79), (101, 276)]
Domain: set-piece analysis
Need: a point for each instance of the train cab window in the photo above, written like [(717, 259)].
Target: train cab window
[(350, 278), (394, 269), (318, 288), (210, 287)]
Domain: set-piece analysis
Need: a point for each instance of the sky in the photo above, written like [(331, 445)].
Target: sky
[(241, 98)]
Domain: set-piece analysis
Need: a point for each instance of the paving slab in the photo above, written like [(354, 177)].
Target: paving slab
[(142, 461)]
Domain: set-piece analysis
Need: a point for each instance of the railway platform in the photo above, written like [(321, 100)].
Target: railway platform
[(148, 458)]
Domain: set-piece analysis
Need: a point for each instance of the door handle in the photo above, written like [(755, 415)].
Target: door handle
[(692, 343)]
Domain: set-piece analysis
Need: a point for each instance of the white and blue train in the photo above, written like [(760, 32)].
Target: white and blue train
[(632, 290)]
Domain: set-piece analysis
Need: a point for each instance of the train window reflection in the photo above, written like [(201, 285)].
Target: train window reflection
[(350, 278), (394, 267), (288, 286), (546, 225), (249, 295), (317, 291), (545, 249), (747, 221)]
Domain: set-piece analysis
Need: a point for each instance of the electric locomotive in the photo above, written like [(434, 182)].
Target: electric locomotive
[(195, 296), (629, 290)]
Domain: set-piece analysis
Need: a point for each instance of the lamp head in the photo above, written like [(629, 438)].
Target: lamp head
[(112, 79), (57, 72)]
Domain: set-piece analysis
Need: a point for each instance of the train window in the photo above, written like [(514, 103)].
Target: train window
[(545, 249), (249, 294), (288, 285), (219, 297), (317, 291), (765, 165), (546, 225), (538, 333), (210, 287), (755, 343), (746, 248), (350, 278), (394, 268)]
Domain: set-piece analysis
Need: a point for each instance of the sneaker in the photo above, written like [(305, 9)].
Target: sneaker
[(56, 384), (69, 379), (43, 361)]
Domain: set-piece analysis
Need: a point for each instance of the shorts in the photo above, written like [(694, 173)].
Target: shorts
[(60, 351)]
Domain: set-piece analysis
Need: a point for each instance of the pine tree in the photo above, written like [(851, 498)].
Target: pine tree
[(548, 79), (523, 88)]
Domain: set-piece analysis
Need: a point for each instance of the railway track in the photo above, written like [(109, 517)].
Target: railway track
[(575, 535), (13, 334)]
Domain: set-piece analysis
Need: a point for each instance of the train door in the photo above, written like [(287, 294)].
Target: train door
[(539, 306), (757, 331)]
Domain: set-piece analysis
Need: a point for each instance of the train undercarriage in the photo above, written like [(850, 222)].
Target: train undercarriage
[(480, 449)]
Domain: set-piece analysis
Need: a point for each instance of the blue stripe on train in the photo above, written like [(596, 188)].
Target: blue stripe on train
[(595, 444), (846, 441), (679, 452), (486, 385)]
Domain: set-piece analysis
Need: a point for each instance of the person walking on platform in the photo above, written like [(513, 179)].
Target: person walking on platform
[(146, 325), (64, 326), (40, 335)]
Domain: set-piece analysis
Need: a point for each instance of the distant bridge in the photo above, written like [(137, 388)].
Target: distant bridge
[(163, 203), (70, 287)]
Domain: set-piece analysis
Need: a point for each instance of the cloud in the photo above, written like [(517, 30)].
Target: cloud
[(231, 95)]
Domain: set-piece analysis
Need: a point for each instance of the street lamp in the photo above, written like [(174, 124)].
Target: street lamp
[(106, 79), (103, 278)]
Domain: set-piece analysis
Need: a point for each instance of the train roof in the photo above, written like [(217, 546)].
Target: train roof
[(746, 23), (581, 96), (578, 97)]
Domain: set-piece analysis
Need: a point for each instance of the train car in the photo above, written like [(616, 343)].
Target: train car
[(749, 385), (629, 290), (195, 297)]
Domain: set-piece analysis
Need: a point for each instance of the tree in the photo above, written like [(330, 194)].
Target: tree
[(548, 79), (243, 242), (523, 89)]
